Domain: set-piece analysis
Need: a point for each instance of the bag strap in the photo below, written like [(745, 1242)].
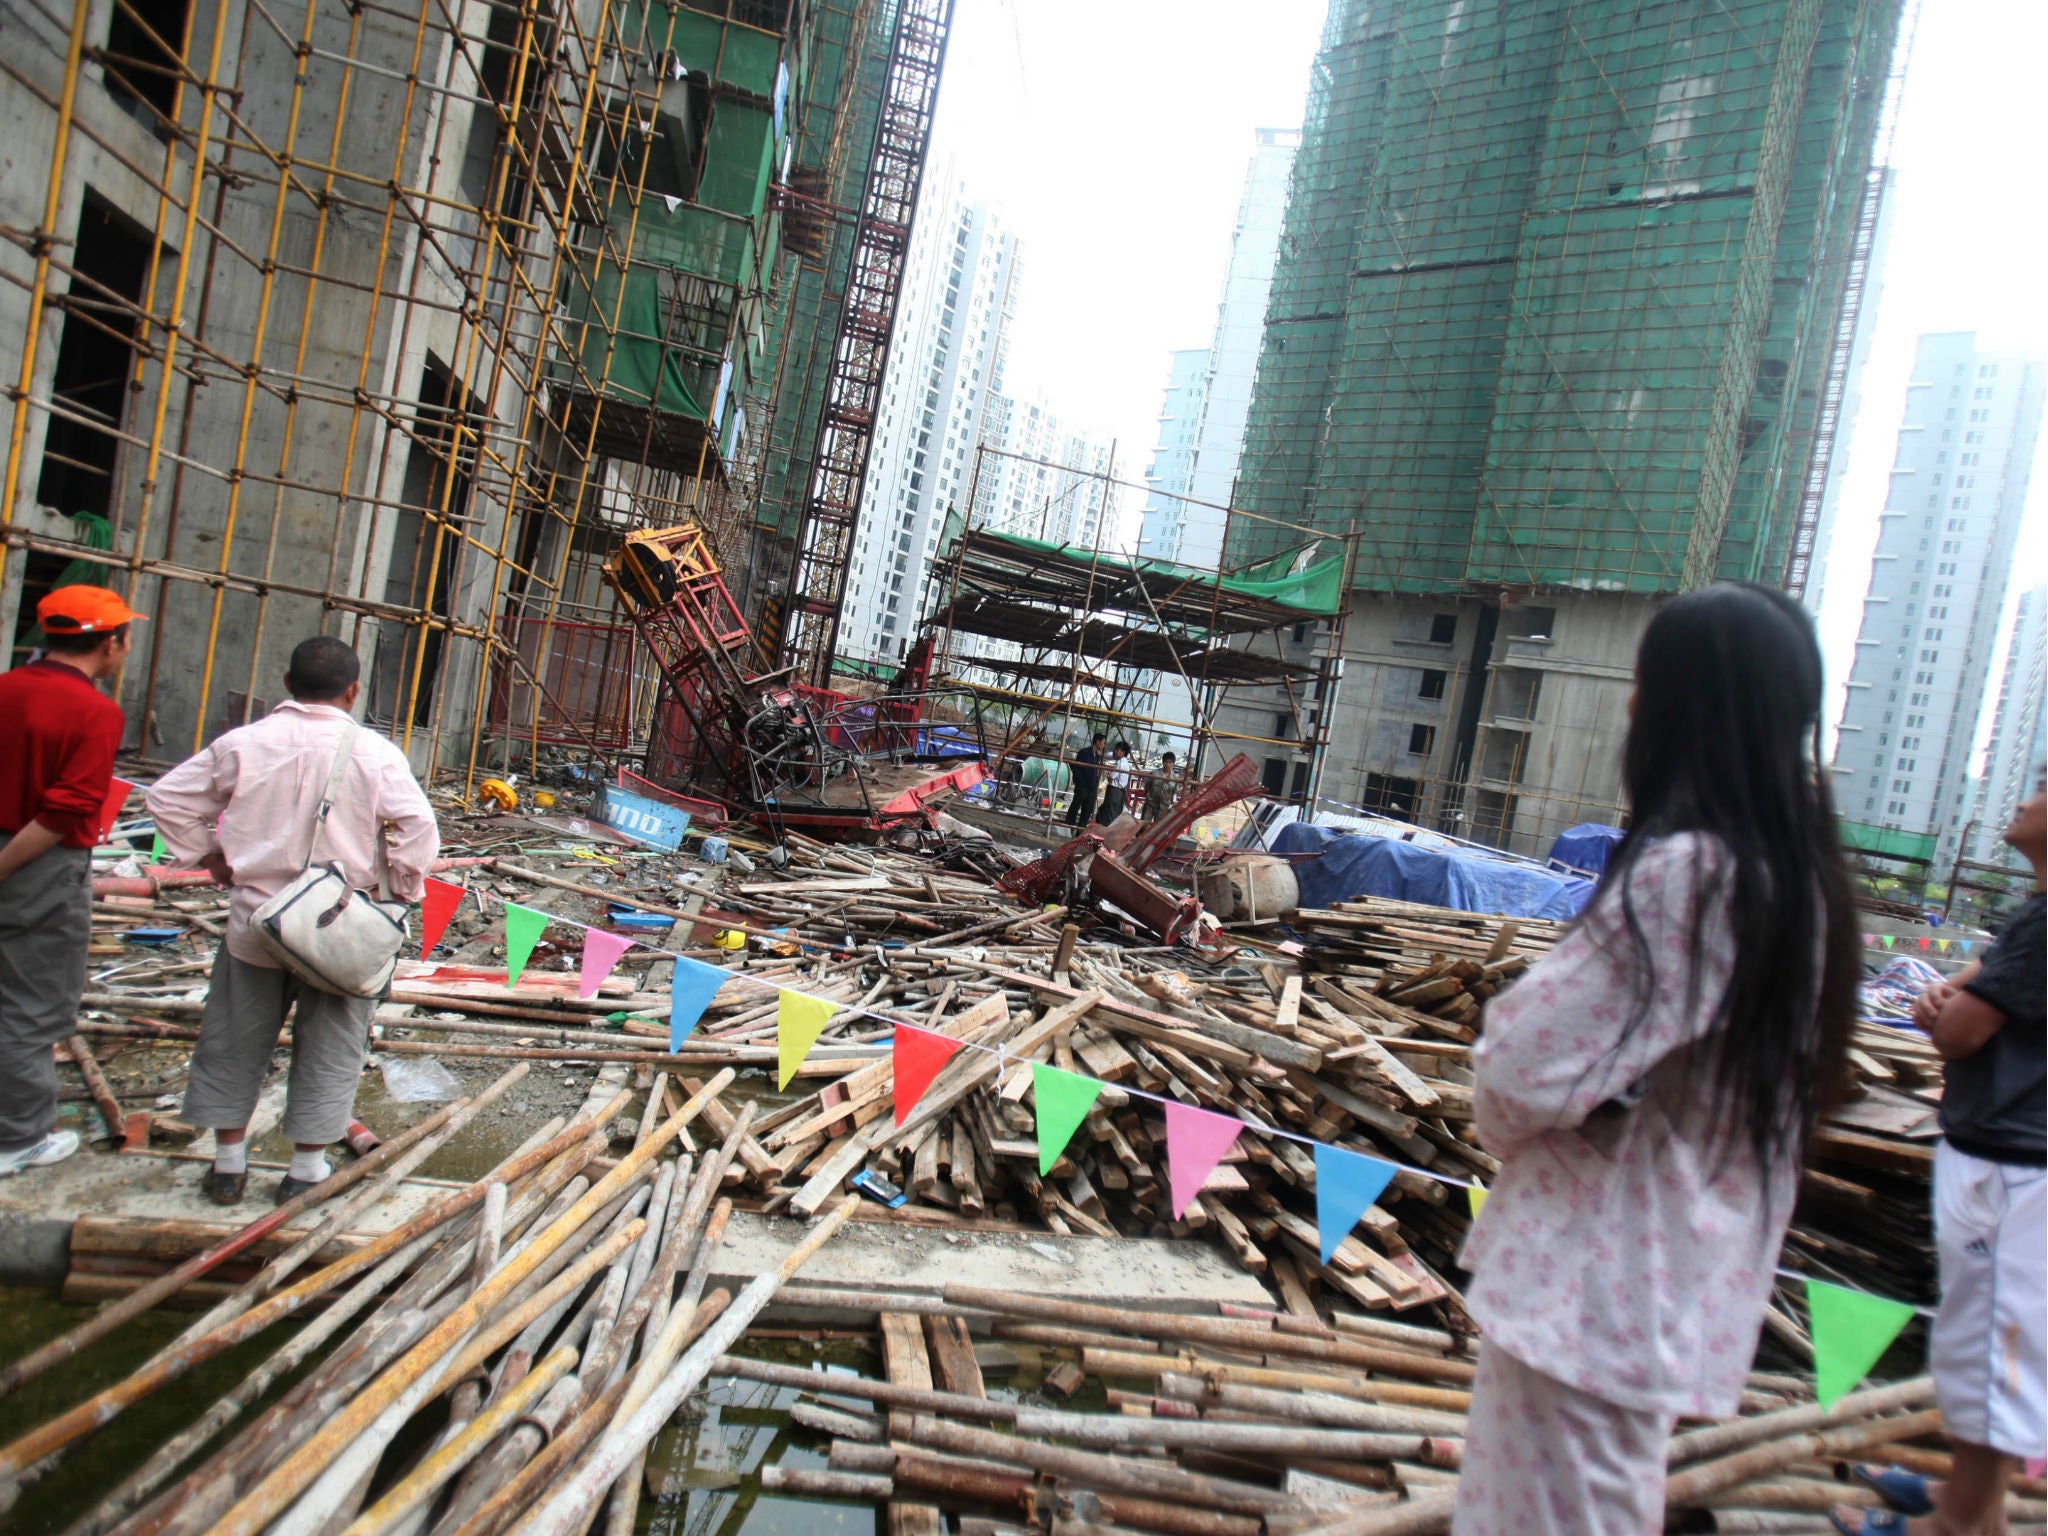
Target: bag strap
[(341, 759)]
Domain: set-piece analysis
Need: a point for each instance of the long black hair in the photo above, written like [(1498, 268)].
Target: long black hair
[(1725, 741)]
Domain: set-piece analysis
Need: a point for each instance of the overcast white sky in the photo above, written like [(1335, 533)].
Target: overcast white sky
[(1114, 136)]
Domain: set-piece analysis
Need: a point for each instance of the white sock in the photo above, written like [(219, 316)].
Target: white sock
[(231, 1156), (309, 1167)]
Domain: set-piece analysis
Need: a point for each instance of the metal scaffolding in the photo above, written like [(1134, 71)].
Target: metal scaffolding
[(389, 317)]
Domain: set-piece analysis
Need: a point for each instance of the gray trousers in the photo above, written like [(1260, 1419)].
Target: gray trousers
[(245, 1009), (45, 927)]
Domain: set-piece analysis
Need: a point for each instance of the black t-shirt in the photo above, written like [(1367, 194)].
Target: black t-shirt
[(1995, 1103)]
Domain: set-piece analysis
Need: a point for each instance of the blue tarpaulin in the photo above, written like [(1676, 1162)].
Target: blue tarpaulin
[(1587, 846), (1351, 866)]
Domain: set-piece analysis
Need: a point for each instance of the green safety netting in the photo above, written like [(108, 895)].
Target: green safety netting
[(1317, 588), (639, 355), (1888, 842)]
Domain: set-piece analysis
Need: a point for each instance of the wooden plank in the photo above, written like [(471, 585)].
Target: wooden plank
[(908, 1365), (953, 1364), (962, 1075)]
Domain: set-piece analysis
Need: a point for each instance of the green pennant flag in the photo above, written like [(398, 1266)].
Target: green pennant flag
[(1887, 941), (1851, 1330), (157, 851), (523, 928), (1062, 1101)]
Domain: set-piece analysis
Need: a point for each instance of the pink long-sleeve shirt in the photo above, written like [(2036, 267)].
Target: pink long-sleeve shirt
[(254, 793), (1630, 1256)]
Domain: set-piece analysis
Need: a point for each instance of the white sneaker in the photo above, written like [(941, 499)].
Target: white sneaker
[(53, 1148)]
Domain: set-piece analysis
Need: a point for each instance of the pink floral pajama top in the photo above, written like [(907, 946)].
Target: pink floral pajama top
[(1621, 1253)]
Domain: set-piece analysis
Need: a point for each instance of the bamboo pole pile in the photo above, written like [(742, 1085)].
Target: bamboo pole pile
[(476, 1355), (1254, 1426)]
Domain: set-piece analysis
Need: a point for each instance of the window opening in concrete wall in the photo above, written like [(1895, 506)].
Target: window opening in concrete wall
[(1273, 775), (95, 360), (1443, 628), (1516, 691), (145, 48), (1431, 685), (438, 474), (1502, 755), (1421, 738), (1527, 623), (1390, 795)]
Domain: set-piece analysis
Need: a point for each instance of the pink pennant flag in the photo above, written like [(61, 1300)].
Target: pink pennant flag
[(1196, 1140), (601, 951)]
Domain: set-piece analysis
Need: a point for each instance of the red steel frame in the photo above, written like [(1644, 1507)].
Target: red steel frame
[(867, 322)]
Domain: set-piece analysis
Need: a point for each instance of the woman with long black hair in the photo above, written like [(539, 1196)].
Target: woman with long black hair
[(1650, 1086)]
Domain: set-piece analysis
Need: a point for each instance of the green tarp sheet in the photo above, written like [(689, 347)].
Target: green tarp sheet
[(1317, 589)]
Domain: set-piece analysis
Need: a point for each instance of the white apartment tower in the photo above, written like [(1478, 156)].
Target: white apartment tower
[(2018, 749), (1937, 589), (1202, 427), (1043, 482), (945, 366)]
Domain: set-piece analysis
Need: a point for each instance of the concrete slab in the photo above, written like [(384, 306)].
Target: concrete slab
[(37, 1210)]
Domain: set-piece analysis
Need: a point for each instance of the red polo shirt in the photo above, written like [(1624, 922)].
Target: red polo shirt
[(58, 737)]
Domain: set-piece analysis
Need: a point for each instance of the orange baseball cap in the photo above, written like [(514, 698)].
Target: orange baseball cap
[(83, 611)]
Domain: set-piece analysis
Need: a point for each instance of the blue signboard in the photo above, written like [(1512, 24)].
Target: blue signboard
[(643, 820)]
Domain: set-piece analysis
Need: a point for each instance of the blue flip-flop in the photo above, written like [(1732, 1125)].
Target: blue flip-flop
[(1875, 1522), (1901, 1490)]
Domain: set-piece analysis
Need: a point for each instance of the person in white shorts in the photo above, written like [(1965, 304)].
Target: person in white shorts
[(1990, 1338)]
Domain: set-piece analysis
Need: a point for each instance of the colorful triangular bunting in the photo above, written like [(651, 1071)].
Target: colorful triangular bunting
[(158, 850), (110, 809), (1475, 1197), (437, 906), (799, 1020), (1196, 1140), (1886, 940), (917, 1055), (1347, 1183), (690, 992), (1851, 1332), (601, 951), (523, 928), (1061, 1101)]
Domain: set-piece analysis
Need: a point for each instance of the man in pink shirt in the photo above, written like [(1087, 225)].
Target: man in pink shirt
[(245, 809)]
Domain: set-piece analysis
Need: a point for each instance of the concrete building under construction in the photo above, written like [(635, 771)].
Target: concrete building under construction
[(1560, 325), (389, 318)]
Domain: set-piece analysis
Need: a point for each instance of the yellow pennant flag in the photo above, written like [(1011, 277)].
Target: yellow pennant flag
[(1476, 1197), (799, 1020)]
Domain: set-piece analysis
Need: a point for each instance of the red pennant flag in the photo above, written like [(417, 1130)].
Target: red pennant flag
[(918, 1055), (110, 811), (436, 907)]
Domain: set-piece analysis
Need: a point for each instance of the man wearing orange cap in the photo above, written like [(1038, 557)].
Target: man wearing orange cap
[(58, 737)]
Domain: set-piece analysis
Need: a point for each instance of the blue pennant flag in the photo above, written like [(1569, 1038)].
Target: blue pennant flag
[(690, 993), (1346, 1186)]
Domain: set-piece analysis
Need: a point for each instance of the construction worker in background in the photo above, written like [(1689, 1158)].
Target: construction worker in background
[(1120, 775), (1160, 789), (58, 737), (245, 810), (1087, 779)]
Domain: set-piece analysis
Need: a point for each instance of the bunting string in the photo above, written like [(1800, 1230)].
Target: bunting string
[(1347, 1182)]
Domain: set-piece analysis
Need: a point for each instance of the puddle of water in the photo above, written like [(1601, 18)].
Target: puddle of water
[(31, 1317)]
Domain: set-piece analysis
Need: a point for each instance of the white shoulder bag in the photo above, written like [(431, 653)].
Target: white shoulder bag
[(323, 931)]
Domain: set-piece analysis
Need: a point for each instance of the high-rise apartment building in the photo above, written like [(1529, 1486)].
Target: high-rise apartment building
[(1865, 323), (1170, 476), (1045, 480), (1209, 392), (1556, 299), (944, 368), (1937, 588), (2017, 753)]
